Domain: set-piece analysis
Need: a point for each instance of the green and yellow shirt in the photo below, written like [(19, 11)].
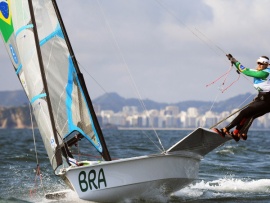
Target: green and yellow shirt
[(261, 77)]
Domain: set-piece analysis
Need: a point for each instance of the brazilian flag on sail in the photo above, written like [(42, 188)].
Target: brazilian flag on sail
[(6, 25)]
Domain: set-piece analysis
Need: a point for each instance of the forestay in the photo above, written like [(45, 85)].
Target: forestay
[(59, 103)]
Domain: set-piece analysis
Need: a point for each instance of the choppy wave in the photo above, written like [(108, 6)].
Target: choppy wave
[(234, 172)]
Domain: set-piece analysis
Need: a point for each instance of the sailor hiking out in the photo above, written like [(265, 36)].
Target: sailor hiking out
[(258, 107)]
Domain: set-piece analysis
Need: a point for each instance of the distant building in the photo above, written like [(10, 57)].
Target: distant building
[(192, 112), (210, 119), (171, 117), (118, 119), (129, 110), (172, 110), (190, 122)]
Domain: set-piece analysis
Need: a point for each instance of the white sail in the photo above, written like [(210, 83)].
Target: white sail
[(58, 100)]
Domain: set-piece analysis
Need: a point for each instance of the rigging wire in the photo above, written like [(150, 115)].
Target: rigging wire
[(103, 89), (152, 141), (33, 133), (196, 32), (127, 69), (212, 106), (209, 43), (38, 171), (240, 109), (231, 115)]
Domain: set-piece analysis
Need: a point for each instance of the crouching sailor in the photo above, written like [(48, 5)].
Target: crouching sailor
[(259, 106)]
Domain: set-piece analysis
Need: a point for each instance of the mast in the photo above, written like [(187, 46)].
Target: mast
[(58, 154), (105, 153)]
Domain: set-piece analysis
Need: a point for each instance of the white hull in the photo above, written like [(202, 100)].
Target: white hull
[(144, 176), (134, 177)]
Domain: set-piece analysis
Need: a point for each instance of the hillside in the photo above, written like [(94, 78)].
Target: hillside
[(13, 98), (14, 108), (15, 117), (112, 101)]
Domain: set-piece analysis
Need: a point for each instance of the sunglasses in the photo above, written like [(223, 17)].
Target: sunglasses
[(262, 63)]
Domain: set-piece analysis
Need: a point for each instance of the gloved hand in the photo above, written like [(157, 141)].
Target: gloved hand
[(230, 57)]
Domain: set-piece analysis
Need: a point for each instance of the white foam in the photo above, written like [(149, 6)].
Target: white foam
[(70, 196), (226, 185), (226, 150)]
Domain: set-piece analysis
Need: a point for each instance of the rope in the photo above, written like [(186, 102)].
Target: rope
[(231, 84), (215, 100), (213, 103), (230, 115), (87, 155), (223, 90), (38, 171), (214, 45), (225, 74), (109, 95), (33, 133), (101, 87), (196, 32), (152, 141), (128, 70), (38, 175)]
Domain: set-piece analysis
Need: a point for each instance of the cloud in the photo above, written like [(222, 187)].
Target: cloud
[(171, 48)]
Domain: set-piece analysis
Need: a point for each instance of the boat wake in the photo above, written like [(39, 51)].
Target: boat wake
[(224, 187), (71, 196), (68, 197)]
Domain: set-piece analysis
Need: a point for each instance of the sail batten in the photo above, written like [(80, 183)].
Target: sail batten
[(19, 69), (56, 33), (43, 95), (23, 28)]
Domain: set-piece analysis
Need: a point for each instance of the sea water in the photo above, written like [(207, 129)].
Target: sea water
[(234, 172)]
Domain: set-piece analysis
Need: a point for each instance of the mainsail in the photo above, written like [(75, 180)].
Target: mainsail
[(38, 46)]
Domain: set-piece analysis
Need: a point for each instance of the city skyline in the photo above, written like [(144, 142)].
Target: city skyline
[(170, 117)]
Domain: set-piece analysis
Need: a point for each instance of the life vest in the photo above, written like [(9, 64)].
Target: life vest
[(262, 85)]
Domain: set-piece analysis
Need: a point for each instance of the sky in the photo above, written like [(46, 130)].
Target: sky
[(163, 50)]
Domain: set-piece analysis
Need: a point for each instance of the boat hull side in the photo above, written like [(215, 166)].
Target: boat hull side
[(133, 178)]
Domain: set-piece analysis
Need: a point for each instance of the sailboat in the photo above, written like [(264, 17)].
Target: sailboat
[(36, 40)]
